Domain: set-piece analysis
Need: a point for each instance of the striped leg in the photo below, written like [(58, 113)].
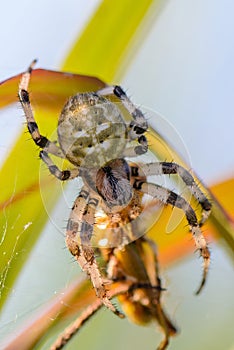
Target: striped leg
[(23, 94), (138, 126), (168, 197), (62, 175), (167, 168), (78, 239)]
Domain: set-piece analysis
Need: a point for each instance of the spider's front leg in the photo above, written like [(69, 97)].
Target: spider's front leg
[(78, 239), (46, 145)]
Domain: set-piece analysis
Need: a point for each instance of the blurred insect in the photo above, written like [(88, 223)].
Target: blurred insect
[(110, 212), (134, 273)]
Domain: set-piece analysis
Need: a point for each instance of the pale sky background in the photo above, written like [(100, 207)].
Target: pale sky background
[(188, 62), (184, 70)]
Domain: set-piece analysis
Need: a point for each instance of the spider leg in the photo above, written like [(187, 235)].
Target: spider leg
[(134, 151), (168, 168), (169, 197), (138, 126), (80, 228), (33, 129), (54, 170)]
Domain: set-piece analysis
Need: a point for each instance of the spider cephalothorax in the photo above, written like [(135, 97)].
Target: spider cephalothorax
[(97, 139)]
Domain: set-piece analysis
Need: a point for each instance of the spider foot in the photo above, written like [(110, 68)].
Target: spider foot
[(24, 82), (32, 65), (205, 254), (101, 293), (86, 259)]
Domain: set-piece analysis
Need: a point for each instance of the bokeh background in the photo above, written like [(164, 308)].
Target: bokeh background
[(184, 70)]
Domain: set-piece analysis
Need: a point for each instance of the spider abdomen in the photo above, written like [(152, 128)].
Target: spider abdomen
[(113, 183), (91, 130)]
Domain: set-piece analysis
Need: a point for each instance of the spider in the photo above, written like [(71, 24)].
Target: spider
[(96, 138)]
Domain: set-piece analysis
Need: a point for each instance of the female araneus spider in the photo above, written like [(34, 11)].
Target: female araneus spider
[(96, 138)]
